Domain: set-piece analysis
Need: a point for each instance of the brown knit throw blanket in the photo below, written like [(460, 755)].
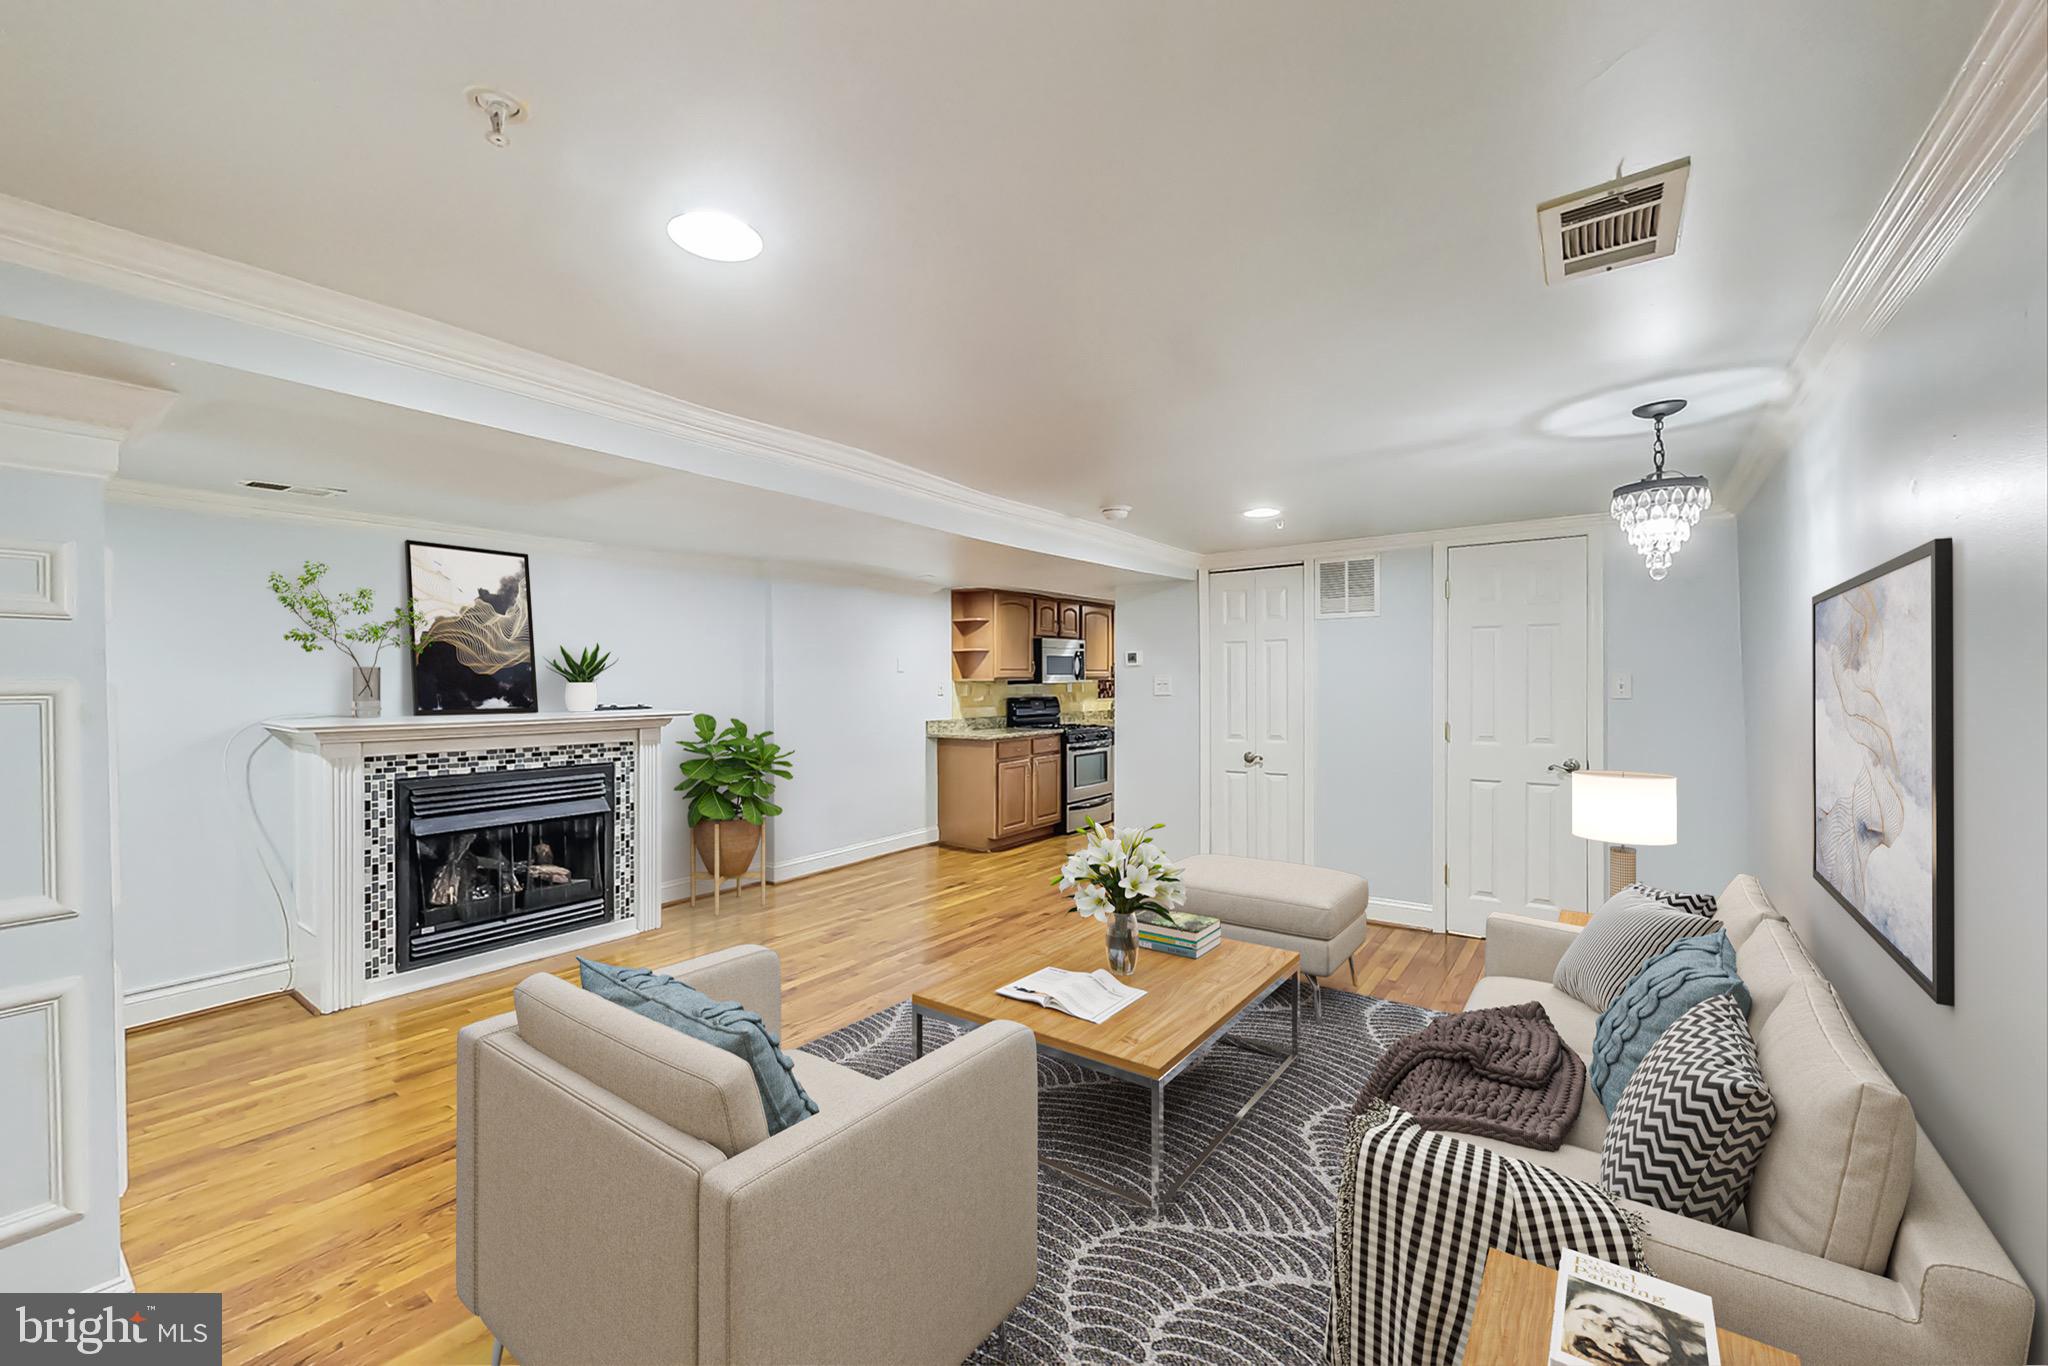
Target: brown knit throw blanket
[(1501, 1073)]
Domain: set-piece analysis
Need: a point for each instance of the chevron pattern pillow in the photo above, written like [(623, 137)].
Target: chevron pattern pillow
[(1692, 903), (1692, 1122)]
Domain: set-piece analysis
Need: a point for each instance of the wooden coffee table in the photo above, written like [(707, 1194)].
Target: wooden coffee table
[(1188, 1008)]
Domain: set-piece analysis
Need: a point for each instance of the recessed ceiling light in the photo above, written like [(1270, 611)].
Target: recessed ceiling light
[(1260, 514), (715, 236)]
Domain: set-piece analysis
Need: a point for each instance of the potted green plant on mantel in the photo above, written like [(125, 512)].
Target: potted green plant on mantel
[(350, 623), (579, 676), (729, 789)]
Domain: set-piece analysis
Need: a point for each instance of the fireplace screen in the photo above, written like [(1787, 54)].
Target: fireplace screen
[(487, 859)]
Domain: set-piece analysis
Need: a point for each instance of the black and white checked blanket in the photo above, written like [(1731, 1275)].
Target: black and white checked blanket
[(1417, 1211)]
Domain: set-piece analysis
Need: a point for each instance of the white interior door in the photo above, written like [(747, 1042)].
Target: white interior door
[(1257, 627), (1516, 704)]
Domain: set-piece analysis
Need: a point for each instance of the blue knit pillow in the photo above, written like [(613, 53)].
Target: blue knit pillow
[(722, 1024), (1676, 980)]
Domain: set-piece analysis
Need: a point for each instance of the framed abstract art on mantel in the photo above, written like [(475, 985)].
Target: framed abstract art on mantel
[(1884, 758), (476, 629)]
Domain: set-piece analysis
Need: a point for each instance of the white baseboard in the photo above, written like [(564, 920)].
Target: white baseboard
[(147, 1005), (785, 870), (1416, 914), (123, 1284)]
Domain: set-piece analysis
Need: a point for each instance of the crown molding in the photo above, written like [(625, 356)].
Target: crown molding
[(78, 250), (1994, 102), (71, 423), (1306, 552)]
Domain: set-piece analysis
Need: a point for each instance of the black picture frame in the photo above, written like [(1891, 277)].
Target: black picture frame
[(1938, 983), (443, 685)]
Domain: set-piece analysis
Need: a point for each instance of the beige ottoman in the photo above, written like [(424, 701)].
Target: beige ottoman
[(1317, 912)]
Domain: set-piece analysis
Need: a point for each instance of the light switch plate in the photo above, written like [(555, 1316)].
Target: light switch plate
[(1621, 687), (1162, 686)]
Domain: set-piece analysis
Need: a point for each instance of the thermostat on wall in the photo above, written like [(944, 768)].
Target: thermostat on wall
[(1133, 658)]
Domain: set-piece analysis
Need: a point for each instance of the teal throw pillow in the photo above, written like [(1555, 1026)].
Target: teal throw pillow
[(722, 1024), (1690, 971)]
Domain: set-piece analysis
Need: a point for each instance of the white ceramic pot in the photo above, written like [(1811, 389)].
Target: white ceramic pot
[(579, 696)]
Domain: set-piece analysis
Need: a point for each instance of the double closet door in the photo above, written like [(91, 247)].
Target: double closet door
[(1257, 630)]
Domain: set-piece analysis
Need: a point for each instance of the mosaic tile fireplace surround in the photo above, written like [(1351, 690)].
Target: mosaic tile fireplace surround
[(346, 776)]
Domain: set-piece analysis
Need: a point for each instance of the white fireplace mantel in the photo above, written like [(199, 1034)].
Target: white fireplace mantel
[(330, 847)]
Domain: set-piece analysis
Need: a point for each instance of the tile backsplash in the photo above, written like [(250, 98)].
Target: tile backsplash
[(972, 700)]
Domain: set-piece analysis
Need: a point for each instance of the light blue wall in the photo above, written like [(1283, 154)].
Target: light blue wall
[(1159, 739), (1942, 430), (1372, 735), (1680, 642)]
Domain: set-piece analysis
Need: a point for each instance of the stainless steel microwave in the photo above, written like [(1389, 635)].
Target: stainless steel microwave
[(1059, 660)]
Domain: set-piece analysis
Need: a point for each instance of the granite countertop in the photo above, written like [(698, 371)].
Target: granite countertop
[(983, 729)]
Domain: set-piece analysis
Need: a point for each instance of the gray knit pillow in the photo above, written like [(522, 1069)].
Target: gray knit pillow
[(1626, 933)]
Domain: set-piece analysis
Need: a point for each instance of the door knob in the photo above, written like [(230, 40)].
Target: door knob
[(1252, 758), (1568, 766)]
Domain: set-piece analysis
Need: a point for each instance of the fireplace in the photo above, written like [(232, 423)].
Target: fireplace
[(490, 859)]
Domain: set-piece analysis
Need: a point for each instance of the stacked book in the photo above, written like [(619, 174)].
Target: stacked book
[(1190, 936)]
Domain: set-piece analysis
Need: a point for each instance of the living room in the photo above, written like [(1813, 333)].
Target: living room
[(506, 525)]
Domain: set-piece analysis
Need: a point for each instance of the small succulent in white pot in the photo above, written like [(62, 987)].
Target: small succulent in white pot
[(579, 676)]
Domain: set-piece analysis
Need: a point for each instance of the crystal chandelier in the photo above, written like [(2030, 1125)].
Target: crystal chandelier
[(1659, 513)]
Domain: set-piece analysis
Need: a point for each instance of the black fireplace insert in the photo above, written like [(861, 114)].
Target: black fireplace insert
[(488, 859)]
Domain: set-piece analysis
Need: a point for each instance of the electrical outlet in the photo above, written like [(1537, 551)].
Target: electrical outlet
[(939, 691), (1621, 687), (1162, 686)]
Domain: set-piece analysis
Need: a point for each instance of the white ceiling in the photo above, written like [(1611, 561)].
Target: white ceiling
[(1184, 257), (415, 469)]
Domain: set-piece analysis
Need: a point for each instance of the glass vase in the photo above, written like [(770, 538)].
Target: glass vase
[(1123, 944)]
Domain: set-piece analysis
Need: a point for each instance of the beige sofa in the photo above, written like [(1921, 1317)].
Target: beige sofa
[(619, 1198), (1857, 1245)]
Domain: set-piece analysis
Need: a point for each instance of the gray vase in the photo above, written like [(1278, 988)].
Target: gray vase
[(1123, 944), (366, 691)]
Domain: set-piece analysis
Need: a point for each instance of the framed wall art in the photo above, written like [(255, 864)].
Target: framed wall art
[(1884, 756), (476, 627)]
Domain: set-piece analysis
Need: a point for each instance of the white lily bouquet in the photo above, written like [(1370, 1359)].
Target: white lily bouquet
[(1119, 872)]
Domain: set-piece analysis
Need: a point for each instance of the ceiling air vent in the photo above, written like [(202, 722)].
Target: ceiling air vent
[(1613, 225), (1348, 588), (303, 490)]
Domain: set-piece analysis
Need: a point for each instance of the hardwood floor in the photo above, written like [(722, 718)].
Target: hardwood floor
[(304, 1166)]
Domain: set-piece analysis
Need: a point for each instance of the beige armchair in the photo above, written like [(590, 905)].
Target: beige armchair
[(618, 1196)]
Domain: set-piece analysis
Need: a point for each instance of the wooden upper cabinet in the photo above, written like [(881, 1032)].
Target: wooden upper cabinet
[(1070, 621), (1045, 619), (1047, 800), (1014, 652), (1098, 641)]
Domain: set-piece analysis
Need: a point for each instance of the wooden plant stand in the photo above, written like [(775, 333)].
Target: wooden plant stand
[(739, 879)]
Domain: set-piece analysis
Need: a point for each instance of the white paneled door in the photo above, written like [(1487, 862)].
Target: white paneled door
[(1257, 629), (1517, 709)]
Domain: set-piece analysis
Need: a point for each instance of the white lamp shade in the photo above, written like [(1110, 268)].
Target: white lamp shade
[(1625, 808)]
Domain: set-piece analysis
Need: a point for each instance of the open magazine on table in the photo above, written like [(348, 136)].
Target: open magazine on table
[(1091, 996), (1608, 1315)]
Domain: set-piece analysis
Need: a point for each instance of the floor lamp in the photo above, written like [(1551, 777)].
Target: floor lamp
[(1623, 810)]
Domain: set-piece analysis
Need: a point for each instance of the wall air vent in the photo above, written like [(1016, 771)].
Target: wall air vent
[(1621, 223), (302, 490), (1348, 588)]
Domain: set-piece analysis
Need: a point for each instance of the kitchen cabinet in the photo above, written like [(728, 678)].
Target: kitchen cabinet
[(1014, 654), (996, 793), (1098, 641), (1070, 621), (1045, 618), (1046, 777)]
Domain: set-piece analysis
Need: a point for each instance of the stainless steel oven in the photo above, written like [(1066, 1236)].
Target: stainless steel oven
[(1059, 660), (1091, 775)]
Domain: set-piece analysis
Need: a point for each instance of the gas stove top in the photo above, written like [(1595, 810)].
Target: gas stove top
[(1089, 735), (1043, 713)]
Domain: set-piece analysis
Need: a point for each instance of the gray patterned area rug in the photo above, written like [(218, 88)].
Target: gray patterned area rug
[(1236, 1267)]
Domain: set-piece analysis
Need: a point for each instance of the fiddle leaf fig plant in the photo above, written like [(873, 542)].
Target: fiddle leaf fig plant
[(731, 773)]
